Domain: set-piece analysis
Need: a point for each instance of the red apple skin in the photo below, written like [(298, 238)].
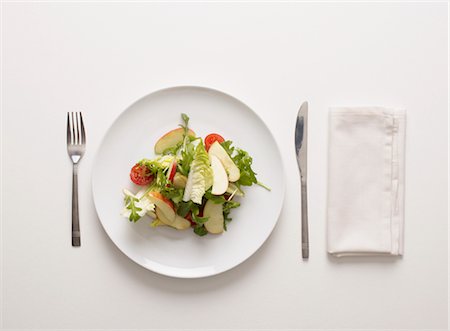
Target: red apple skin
[(159, 196), (173, 170), (170, 139)]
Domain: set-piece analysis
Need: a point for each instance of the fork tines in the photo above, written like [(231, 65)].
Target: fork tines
[(75, 129)]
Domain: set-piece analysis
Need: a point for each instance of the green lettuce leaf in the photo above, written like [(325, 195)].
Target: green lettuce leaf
[(200, 176)]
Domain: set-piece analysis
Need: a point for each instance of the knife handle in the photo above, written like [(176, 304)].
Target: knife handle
[(305, 238)]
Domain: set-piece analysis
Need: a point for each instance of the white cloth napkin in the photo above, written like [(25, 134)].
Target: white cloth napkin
[(366, 181)]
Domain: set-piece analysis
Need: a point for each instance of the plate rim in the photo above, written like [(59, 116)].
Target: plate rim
[(168, 273)]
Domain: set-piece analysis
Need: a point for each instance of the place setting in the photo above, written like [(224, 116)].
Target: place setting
[(182, 178)]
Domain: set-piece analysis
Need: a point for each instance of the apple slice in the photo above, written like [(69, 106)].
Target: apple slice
[(217, 150), (172, 169), (179, 181), (164, 205), (157, 222), (162, 217), (220, 177), (215, 213), (170, 139), (181, 223), (178, 223)]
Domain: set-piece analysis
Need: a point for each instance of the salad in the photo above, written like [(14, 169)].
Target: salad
[(191, 183)]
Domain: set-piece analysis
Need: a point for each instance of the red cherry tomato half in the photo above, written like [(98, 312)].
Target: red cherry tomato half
[(141, 175), (212, 138)]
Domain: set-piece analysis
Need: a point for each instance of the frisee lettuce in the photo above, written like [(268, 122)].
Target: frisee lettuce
[(187, 156), (164, 186), (161, 163), (185, 124)]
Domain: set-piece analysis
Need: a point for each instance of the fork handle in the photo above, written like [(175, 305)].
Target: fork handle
[(75, 217)]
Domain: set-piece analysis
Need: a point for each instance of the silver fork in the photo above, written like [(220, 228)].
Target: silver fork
[(76, 145)]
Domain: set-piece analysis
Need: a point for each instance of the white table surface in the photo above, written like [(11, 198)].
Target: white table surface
[(101, 57)]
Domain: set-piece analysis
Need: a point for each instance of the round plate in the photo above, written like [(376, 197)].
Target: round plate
[(182, 253)]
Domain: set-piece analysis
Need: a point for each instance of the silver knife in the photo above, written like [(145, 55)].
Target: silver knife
[(301, 149)]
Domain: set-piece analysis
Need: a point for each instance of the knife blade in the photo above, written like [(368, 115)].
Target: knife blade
[(301, 149)]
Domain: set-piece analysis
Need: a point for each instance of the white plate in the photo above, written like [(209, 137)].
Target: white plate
[(132, 137)]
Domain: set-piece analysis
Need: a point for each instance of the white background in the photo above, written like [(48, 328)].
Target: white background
[(102, 57)]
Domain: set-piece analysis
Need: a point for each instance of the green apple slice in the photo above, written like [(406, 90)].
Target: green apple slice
[(214, 212), (179, 181), (220, 177), (232, 170), (181, 223), (178, 223)]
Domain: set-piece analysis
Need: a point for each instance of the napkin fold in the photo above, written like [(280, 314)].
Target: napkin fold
[(366, 181)]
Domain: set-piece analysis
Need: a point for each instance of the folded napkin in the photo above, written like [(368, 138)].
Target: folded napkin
[(366, 181)]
